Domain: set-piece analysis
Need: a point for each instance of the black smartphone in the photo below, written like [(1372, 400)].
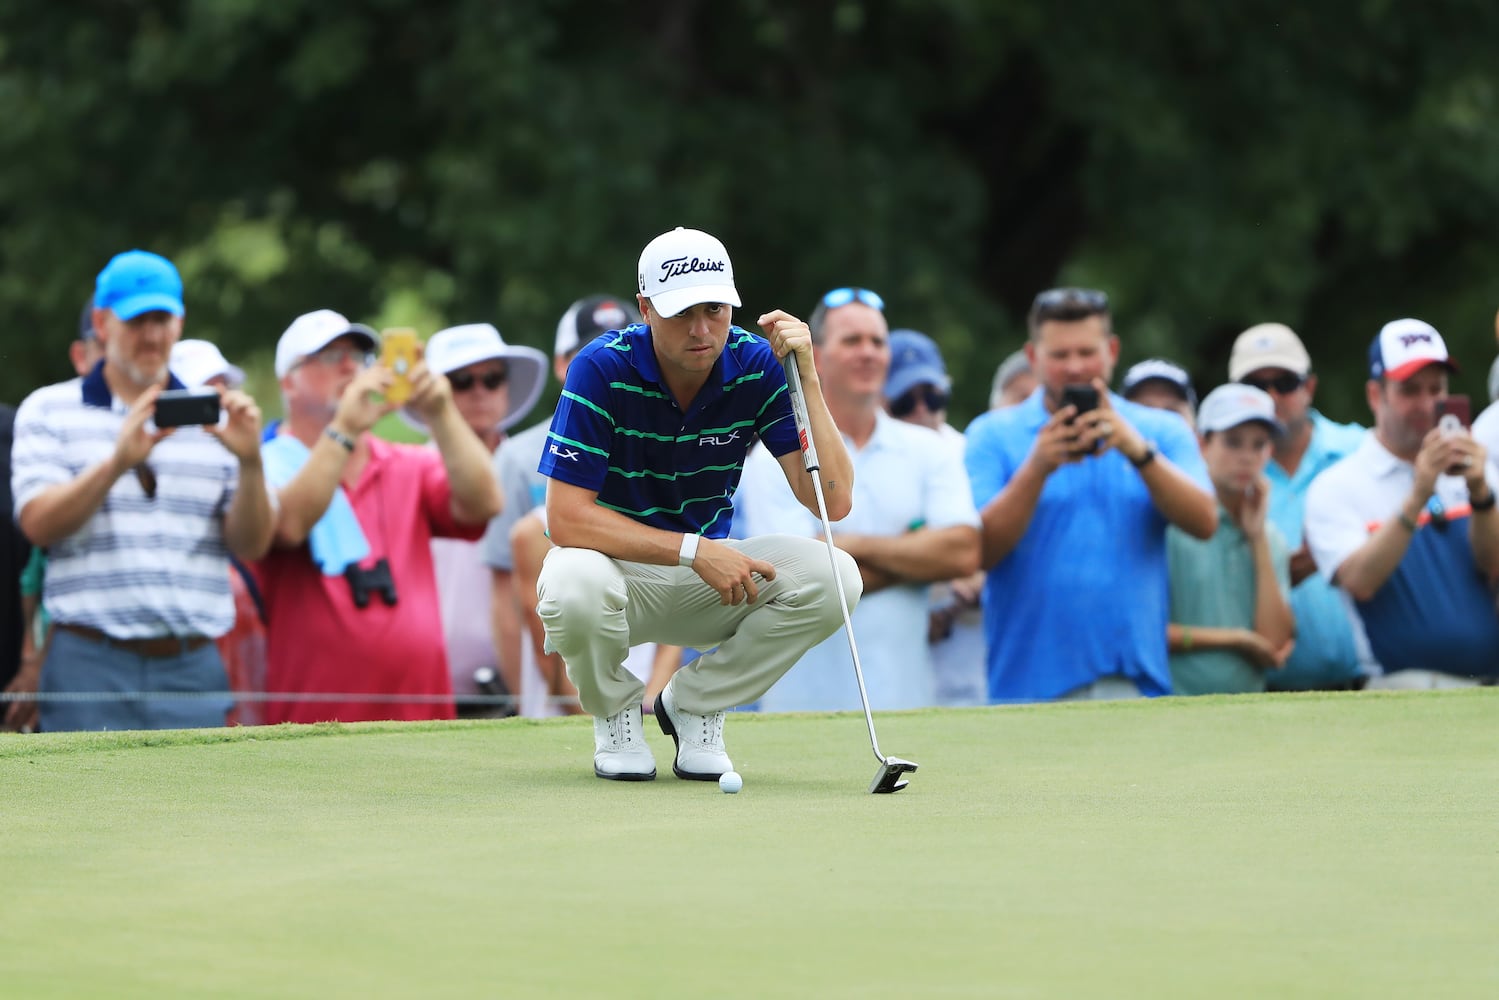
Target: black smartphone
[(1084, 397), (1458, 409), (187, 407)]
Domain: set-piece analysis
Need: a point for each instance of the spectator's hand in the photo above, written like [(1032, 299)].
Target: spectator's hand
[(1252, 510), (431, 393), (787, 334), (730, 572), (1284, 653), (241, 431), (1468, 460), (1258, 651), (1057, 444), (1436, 456), (135, 442), (968, 590), (362, 402), (21, 716), (1105, 428)]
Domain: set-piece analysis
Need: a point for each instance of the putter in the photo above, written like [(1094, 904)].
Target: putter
[(888, 779)]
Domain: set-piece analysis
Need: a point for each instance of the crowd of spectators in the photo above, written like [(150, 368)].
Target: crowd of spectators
[(1073, 542)]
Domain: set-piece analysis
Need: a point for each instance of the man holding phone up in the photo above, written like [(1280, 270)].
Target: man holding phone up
[(1075, 488), (138, 519), (1405, 526), (351, 594)]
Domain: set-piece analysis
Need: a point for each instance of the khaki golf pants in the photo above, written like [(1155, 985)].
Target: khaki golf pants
[(594, 608)]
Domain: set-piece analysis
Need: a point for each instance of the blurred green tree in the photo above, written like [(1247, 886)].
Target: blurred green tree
[(1212, 166)]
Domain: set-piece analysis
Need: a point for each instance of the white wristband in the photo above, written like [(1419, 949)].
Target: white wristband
[(688, 552)]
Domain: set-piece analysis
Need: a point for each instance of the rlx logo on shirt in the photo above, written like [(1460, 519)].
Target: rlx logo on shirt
[(719, 441), (571, 454)]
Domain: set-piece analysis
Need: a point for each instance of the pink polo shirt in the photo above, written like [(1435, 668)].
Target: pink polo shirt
[(321, 643)]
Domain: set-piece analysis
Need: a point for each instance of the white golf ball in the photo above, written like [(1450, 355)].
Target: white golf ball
[(730, 782)]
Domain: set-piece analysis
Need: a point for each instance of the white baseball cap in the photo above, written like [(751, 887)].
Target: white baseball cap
[(1268, 345), (311, 332), (197, 361), (1233, 404), (1404, 347), (459, 346), (683, 268)]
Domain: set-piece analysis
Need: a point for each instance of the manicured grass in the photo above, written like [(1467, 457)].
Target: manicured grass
[(1342, 845)]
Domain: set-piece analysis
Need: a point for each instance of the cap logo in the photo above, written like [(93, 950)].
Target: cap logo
[(609, 316), (678, 266), (1408, 339)]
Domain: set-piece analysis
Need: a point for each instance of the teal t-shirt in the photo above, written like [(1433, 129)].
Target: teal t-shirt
[(1212, 586)]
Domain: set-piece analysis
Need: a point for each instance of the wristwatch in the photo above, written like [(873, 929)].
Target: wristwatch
[(1146, 457)]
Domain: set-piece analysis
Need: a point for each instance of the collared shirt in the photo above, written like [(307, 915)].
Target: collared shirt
[(1435, 612), (1325, 653), (905, 478), (1213, 585), (617, 430), (140, 567), (1083, 594), (321, 643)]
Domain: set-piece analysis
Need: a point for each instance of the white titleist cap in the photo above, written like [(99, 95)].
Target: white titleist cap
[(683, 268)]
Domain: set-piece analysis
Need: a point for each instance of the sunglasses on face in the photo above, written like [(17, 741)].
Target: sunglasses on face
[(1280, 384), (843, 296), (464, 381), (1072, 298), (334, 357), (934, 398)]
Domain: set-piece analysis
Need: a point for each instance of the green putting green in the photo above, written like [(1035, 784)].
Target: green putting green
[(1339, 845)]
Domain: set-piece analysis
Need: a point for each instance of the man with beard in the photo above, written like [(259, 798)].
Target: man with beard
[(138, 521)]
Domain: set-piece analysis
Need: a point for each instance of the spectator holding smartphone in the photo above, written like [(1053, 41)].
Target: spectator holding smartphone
[(138, 521), (351, 595), (1075, 507), (1230, 620), (1405, 526)]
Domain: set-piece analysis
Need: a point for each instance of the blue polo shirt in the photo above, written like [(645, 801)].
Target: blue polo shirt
[(617, 430), (1084, 593), (1325, 653)]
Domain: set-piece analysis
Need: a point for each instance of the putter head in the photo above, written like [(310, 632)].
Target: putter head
[(889, 779)]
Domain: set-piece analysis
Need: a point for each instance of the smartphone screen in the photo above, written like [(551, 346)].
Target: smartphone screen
[(1084, 397), (398, 353), (1454, 413)]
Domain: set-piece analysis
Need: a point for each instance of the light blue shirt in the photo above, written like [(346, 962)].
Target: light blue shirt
[(1325, 652), (905, 478), (1083, 595)]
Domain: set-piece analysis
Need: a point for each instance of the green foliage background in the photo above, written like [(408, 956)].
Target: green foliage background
[(1328, 165)]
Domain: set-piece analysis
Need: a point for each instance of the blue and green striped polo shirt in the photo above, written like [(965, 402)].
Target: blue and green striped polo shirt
[(618, 432)]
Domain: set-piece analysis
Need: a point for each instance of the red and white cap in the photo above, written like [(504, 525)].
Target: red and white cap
[(1404, 347)]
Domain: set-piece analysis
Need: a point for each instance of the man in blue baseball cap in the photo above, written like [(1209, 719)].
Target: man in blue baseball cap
[(137, 520)]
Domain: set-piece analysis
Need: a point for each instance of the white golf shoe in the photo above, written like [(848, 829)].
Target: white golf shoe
[(699, 739), (620, 752)]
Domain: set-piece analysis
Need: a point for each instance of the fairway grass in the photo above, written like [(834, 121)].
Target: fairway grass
[(1280, 846)]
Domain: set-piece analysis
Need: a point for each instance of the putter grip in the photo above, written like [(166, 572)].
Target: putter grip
[(799, 411)]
